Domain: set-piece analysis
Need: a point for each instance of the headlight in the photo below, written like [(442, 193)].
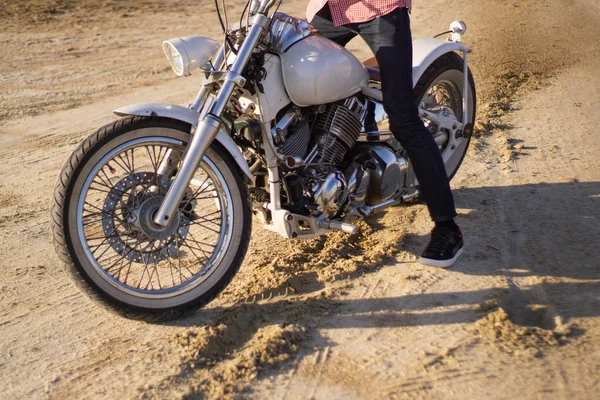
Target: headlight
[(188, 53)]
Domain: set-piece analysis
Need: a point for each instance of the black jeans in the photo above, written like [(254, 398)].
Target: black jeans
[(390, 39)]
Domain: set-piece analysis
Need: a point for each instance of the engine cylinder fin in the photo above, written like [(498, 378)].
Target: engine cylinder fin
[(296, 143), (337, 128)]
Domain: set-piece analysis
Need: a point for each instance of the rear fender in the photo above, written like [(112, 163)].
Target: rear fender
[(191, 117), (426, 51)]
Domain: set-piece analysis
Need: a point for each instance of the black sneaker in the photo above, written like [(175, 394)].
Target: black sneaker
[(444, 247)]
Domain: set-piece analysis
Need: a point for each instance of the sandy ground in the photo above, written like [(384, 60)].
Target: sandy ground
[(336, 317)]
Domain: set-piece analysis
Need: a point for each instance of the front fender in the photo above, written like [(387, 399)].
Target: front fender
[(426, 51), (186, 115)]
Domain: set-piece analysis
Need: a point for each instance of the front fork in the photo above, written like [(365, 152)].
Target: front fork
[(210, 125)]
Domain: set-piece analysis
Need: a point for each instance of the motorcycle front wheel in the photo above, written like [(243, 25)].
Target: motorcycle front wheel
[(104, 202), (441, 88)]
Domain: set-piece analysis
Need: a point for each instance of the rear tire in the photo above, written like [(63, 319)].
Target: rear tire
[(447, 72), (152, 303)]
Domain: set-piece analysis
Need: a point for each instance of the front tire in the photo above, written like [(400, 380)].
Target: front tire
[(101, 221)]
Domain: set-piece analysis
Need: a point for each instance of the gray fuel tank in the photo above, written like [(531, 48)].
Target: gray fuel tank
[(319, 71)]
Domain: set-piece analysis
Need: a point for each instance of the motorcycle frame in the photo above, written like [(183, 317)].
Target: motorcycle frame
[(204, 115)]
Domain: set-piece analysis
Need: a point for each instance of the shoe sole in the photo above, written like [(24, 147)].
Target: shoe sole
[(440, 263)]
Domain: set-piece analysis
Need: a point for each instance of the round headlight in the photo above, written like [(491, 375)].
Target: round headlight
[(178, 64), (174, 58), (185, 54)]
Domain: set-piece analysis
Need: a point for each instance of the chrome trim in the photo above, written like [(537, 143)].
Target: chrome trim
[(287, 30), (367, 211), (376, 136), (338, 226), (373, 117), (385, 173), (332, 193), (254, 7), (265, 6), (279, 131), (235, 78)]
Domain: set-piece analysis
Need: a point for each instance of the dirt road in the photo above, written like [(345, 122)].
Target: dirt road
[(336, 317)]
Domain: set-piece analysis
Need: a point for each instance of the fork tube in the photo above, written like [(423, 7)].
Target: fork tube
[(210, 126), (200, 100), (169, 163)]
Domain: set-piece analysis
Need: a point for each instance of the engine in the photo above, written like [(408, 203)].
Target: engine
[(336, 131), (298, 137), (322, 137)]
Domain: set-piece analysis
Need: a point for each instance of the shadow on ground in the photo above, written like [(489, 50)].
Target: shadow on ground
[(522, 240)]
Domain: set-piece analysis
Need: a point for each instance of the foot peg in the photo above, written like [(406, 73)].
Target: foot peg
[(339, 226), (295, 226)]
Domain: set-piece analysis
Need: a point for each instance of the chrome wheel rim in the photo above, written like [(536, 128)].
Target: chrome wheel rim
[(119, 239), (445, 95)]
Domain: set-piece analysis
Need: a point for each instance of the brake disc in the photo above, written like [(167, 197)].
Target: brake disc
[(127, 223)]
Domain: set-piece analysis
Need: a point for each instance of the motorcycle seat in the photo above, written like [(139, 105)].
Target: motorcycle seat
[(374, 73), (373, 69)]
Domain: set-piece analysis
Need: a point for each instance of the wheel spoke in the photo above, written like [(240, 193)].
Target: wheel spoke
[(195, 255), (147, 257), (120, 261), (195, 217), (103, 242), (202, 185), (103, 212), (170, 267), (201, 223), (198, 243), (155, 268), (121, 241), (123, 163), (212, 196)]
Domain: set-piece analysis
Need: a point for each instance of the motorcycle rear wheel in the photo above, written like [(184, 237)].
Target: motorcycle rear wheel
[(102, 209), (441, 85)]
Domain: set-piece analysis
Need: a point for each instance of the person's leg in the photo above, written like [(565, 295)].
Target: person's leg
[(390, 39), (323, 22)]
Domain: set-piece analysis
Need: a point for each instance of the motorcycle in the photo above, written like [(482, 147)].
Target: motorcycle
[(152, 213)]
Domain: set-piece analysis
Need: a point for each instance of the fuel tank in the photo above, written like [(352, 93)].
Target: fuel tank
[(319, 71)]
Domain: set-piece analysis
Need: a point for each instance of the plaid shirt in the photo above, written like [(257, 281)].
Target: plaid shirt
[(352, 11)]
